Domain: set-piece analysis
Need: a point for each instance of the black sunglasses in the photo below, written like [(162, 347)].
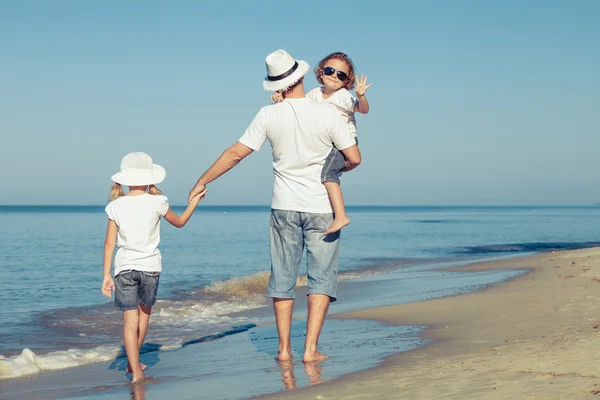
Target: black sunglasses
[(341, 75)]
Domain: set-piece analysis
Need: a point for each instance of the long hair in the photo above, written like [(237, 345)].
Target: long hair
[(154, 190), (348, 84), (116, 191)]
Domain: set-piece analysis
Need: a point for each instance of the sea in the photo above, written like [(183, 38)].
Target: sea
[(53, 316)]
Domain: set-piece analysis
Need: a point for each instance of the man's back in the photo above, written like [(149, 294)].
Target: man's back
[(301, 133)]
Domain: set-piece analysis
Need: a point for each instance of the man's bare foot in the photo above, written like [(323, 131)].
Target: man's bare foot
[(137, 379), (337, 224), (312, 357), (283, 356), (128, 368)]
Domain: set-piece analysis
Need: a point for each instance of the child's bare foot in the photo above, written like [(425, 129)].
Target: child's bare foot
[(137, 379), (128, 369), (313, 356), (337, 224)]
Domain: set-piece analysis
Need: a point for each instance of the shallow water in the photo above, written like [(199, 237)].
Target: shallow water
[(214, 276)]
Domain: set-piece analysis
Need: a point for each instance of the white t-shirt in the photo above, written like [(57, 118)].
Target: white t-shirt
[(138, 220), (343, 101), (301, 133)]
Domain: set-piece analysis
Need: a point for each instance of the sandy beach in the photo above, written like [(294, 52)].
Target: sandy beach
[(534, 337)]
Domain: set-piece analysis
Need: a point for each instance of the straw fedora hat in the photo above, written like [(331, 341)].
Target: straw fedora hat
[(283, 71), (137, 169)]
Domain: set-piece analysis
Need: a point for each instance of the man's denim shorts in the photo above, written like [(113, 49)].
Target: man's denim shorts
[(135, 287), (289, 233)]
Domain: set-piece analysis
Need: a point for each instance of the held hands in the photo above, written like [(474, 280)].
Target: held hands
[(196, 199), (277, 97), (199, 190), (108, 285), (361, 85)]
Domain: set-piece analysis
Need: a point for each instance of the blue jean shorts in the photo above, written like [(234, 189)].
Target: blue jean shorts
[(135, 287), (289, 233), (334, 166)]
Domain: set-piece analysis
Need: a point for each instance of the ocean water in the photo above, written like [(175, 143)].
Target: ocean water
[(215, 271)]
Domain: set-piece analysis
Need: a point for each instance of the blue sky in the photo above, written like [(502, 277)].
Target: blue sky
[(473, 102)]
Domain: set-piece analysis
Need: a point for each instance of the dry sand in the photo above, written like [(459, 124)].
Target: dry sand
[(534, 337)]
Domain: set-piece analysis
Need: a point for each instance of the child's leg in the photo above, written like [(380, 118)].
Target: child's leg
[(334, 190), (330, 176), (144, 318), (130, 337), (146, 296)]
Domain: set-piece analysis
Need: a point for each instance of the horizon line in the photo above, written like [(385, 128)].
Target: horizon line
[(350, 205)]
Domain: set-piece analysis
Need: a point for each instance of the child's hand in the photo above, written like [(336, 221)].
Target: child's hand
[(108, 285), (361, 85), (196, 190), (196, 199), (277, 97)]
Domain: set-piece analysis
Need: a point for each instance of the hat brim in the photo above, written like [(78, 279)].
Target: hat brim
[(274, 86), (140, 177)]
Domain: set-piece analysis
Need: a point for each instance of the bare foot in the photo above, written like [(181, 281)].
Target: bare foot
[(337, 224), (283, 356), (312, 357), (128, 368), (137, 379)]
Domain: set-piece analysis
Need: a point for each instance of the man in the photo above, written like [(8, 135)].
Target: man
[(301, 132)]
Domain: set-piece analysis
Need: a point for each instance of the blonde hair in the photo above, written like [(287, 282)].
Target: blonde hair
[(348, 84), (154, 190), (116, 191)]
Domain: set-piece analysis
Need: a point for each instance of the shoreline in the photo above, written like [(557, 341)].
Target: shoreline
[(530, 337)]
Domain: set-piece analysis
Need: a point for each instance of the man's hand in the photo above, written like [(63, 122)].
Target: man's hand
[(196, 190), (196, 199)]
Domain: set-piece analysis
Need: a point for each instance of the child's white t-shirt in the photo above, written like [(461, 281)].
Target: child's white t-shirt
[(343, 101), (138, 220)]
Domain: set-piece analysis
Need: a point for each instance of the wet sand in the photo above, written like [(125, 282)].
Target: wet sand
[(534, 337)]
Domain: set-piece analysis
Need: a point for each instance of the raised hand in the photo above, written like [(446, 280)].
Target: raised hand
[(361, 85)]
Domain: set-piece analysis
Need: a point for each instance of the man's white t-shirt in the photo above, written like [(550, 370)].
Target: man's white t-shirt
[(302, 133), (138, 220), (343, 101)]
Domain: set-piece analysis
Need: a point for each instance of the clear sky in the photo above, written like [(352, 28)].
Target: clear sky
[(473, 102)]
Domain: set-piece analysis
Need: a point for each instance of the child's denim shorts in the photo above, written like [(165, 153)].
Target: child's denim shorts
[(333, 167), (135, 287)]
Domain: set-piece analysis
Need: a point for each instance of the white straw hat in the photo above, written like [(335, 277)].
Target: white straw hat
[(137, 169), (283, 71)]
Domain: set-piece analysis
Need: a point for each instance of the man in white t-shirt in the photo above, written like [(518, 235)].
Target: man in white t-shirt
[(302, 133)]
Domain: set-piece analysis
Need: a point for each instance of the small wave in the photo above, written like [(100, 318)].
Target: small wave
[(240, 287), (527, 247), (29, 363), (253, 287)]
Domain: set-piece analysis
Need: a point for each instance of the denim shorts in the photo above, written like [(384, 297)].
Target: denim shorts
[(134, 287), (289, 233), (334, 166)]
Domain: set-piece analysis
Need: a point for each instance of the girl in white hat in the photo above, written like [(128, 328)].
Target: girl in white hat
[(134, 227)]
